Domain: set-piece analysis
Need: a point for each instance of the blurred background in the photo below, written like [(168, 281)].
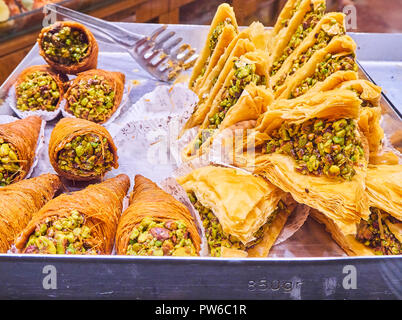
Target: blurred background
[(20, 20)]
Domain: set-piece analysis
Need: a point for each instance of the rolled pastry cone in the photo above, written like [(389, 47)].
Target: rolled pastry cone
[(88, 61), (245, 206), (97, 207), (148, 201), (328, 28), (384, 184), (245, 42), (65, 132), (338, 56), (20, 201), (59, 78), (251, 103), (115, 80), (305, 13), (342, 200), (222, 31), (21, 138)]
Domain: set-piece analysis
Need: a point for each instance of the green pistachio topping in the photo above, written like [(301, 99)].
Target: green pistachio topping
[(320, 147), (10, 166), (245, 73), (92, 99), (216, 238), (38, 91), (321, 41), (310, 20), (324, 69), (156, 238), (88, 154), (65, 45), (375, 233), (67, 235)]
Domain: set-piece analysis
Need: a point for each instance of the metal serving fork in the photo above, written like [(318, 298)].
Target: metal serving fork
[(162, 58)]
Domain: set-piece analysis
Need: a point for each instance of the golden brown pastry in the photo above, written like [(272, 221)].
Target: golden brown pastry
[(242, 214), (81, 150), (156, 224), (20, 201), (69, 47), (83, 222)]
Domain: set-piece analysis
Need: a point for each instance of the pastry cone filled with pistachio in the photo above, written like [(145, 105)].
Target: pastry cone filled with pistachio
[(81, 150), (242, 97), (69, 47), (18, 143), (295, 23), (381, 232), (332, 61), (222, 31), (95, 95), (82, 222), (39, 88), (156, 224), (329, 27), (20, 201), (314, 150), (251, 39), (242, 214)]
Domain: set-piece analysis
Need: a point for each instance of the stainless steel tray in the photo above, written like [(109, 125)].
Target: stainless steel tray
[(113, 277)]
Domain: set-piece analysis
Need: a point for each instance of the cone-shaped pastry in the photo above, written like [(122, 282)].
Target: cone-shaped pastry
[(223, 30), (18, 142), (20, 201), (243, 96), (95, 95), (83, 222), (39, 88), (156, 224), (328, 28), (242, 214), (290, 31), (81, 150), (68, 47), (381, 233), (313, 150)]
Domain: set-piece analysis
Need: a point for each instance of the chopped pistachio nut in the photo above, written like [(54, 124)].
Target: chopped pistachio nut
[(324, 69), (365, 103), (377, 237), (91, 99), (10, 166), (310, 20), (156, 238), (86, 154), (65, 45), (216, 238), (38, 91), (320, 147), (322, 40), (67, 235)]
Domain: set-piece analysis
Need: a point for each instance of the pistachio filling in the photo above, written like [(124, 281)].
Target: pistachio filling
[(320, 147), (310, 20), (10, 166), (216, 238), (38, 91), (157, 238), (65, 45), (375, 233), (324, 69), (88, 154), (68, 235), (92, 99), (245, 73), (322, 40)]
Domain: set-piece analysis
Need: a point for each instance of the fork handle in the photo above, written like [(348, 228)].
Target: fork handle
[(117, 34)]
